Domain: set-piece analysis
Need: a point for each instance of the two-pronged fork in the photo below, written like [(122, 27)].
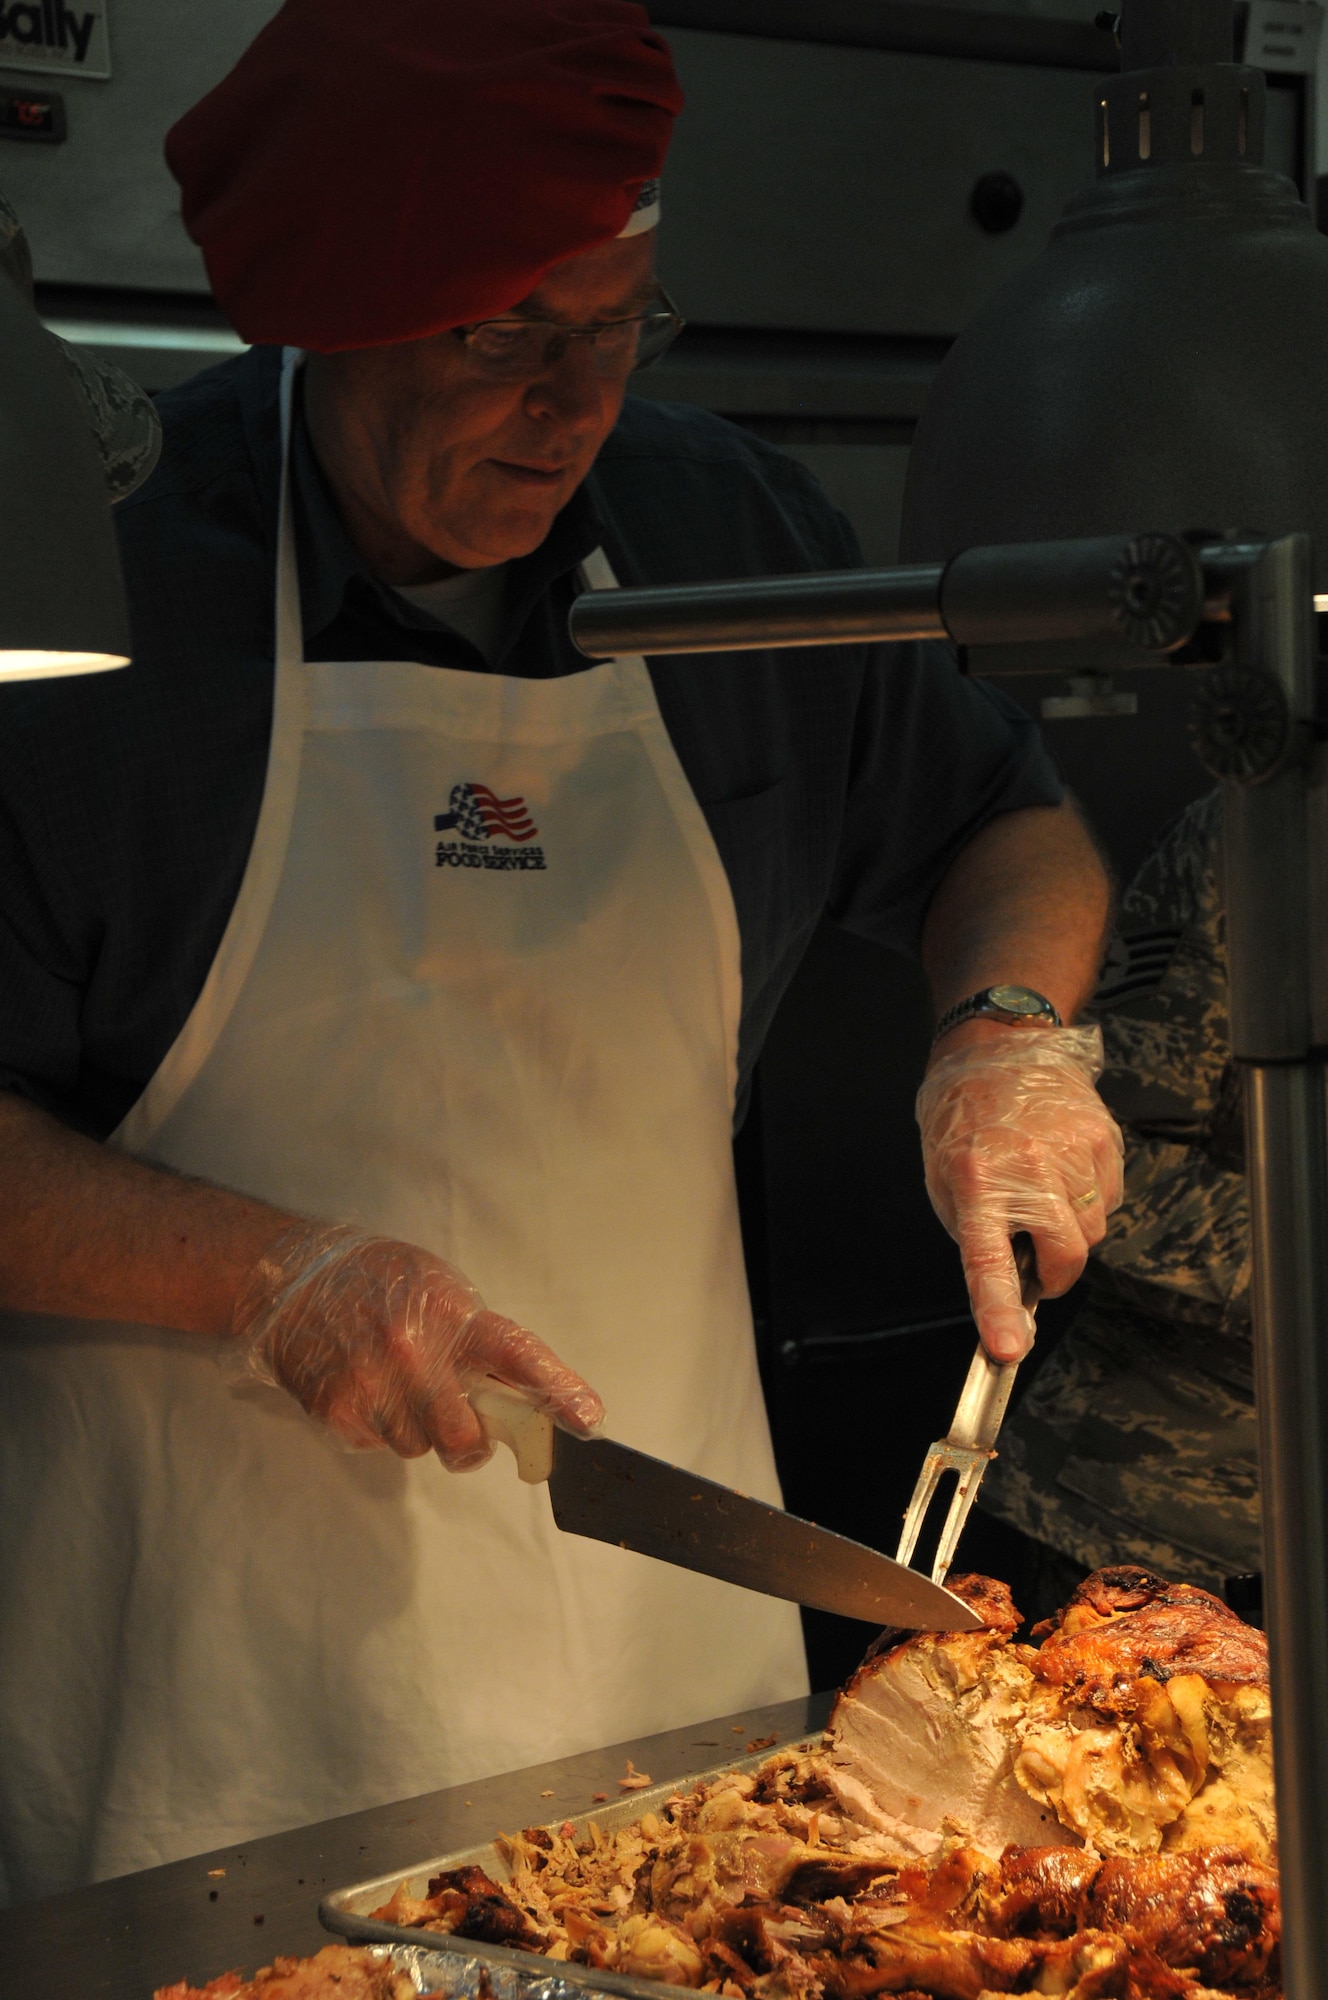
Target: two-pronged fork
[(969, 1446)]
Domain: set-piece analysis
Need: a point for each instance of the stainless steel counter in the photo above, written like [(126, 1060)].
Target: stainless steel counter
[(121, 1939)]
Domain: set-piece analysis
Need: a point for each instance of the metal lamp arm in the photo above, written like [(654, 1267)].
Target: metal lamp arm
[(1146, 594)]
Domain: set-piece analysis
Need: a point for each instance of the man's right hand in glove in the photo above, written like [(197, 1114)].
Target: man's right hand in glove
[(378, 1340)]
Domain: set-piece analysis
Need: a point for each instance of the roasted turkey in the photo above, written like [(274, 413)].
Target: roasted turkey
[(1090, 1816)]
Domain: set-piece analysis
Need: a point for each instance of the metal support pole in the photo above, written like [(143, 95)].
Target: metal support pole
[(1288, 1181), (1274, 861)]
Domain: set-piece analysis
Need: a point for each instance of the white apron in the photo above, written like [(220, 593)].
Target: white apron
[(516, 1047)]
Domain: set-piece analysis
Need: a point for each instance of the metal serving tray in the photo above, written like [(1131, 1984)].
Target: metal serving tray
[(519, 1975)]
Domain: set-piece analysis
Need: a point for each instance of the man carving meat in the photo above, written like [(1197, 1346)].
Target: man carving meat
[(284, 1092)]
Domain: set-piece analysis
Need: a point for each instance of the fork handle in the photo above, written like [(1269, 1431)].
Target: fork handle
[(1026, 1264), (986, 1390), (982, 1402)]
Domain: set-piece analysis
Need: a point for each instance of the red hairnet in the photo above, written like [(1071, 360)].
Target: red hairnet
[(377, 170)]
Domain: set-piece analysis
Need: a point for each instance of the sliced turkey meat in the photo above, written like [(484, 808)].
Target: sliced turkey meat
[(923, 1739)]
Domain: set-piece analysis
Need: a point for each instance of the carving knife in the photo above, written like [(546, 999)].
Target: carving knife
[(613, 1494)]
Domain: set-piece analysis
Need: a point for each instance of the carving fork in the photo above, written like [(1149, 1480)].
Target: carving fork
[(970, 1445)]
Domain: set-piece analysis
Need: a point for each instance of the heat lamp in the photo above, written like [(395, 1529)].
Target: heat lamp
[(62, 606)]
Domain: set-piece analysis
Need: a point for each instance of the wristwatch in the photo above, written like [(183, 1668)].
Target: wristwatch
[(999, 1003)]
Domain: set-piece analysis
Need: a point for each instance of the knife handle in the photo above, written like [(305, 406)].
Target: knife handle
[(508, 1418)]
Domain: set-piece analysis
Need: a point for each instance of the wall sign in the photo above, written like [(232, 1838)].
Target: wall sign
[(59, 37), (1280, 37)]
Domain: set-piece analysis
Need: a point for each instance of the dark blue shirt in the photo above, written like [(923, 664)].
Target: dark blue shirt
[(843, 780)]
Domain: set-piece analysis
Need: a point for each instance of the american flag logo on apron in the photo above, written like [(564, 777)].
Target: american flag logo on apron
[(477, 813)]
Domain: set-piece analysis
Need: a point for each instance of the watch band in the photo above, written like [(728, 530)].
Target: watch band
[(1001, 1003)]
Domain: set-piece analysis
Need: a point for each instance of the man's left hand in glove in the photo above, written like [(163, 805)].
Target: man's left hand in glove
[(1014, 1135)]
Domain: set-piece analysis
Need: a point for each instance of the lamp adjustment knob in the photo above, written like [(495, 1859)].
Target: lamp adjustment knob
[(1240, 724), (1156, 592)]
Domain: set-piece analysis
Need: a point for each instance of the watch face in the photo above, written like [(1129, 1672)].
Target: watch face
[(1016, 1000)]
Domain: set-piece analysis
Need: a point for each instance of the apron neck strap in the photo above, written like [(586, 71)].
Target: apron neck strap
[(597, 572), (288, 623)]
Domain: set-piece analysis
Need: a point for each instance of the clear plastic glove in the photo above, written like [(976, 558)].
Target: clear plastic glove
[(380, 1341), (1014, 1136)]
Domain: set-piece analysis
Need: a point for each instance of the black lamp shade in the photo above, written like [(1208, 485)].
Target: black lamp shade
[(1164, 362), (62, 605)]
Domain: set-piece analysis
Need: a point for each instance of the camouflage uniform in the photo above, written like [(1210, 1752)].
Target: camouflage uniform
[(1136, 1442)]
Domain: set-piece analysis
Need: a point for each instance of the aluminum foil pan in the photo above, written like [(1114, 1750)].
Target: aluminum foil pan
[(455, 1975)]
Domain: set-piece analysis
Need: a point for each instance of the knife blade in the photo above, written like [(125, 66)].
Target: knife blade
[(611, 1493)]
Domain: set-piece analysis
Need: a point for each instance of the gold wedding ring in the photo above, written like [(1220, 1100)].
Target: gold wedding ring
[(1085, 1200)]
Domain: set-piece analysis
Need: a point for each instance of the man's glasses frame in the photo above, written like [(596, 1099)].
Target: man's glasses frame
[(516, 349)]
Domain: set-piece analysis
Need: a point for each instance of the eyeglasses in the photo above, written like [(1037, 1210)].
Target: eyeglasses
[(520, 350)]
